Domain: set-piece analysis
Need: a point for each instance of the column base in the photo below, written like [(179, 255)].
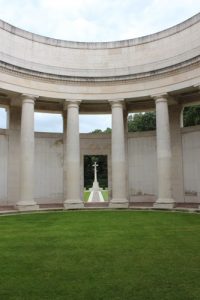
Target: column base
[(118, 203), (27, 206), (73, 204), (164, 204)]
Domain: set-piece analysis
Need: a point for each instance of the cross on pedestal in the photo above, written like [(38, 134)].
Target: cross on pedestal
[(95, 171), (95, 195)]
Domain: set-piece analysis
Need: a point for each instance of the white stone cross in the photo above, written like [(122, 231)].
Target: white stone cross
[(95, 195), (95, 171)]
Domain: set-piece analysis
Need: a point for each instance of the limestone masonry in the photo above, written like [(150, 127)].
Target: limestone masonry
[(157, 72)]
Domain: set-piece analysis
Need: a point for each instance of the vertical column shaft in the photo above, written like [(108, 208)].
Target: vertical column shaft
[(72, 157), (64, 149), (177, 153), (27, 155), (119, 199), (163, 154)]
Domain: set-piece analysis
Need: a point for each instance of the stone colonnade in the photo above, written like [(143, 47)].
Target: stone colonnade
[(72, 156)]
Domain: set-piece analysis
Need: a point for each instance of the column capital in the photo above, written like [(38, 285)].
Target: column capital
[(160, 97), (28, 98), (72, 103), (117, 103)]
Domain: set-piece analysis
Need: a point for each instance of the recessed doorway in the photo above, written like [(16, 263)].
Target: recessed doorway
[(100, 163)]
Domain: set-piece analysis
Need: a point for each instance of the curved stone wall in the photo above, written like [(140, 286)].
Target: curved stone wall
[(162, 62)]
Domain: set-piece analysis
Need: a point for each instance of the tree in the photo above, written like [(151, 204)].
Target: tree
[(191, 116), (142, 122), (107, 130), (96, 131), (147, 121)]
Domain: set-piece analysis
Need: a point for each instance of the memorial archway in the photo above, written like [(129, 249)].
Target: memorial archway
[(96, 166)]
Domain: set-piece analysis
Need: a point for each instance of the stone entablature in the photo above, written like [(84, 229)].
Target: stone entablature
[(165, 62), (29, 55)]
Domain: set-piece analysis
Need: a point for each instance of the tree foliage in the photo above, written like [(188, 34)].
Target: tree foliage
[(96, 131), (107, 130), (191, 116), (147, 121), (142, 122)]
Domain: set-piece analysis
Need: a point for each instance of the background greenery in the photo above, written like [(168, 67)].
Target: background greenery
[(147, 121), (191, 116), (102, 169)]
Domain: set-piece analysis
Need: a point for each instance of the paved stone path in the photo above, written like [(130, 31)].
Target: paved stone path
[(96, 196)]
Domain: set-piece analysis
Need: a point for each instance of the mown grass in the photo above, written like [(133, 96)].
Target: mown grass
[(86, 195), (105, 195), (100, 255)]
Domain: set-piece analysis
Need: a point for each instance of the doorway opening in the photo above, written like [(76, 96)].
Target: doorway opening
[(100, 184)]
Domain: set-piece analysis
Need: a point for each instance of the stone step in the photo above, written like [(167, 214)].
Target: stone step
[(96, 204)]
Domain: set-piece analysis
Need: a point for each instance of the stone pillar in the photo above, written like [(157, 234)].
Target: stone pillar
[(164, 200), (14, 154), (72, 157), (119, 191), (126, 149), (64, 148), (27, 155), (177, 153)]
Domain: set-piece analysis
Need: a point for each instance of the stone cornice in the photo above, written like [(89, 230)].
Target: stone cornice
[(100, 45), (167, 71)]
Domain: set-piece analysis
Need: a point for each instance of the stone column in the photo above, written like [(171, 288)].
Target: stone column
[(14, 153), (126, 149), (72, 157), (119, 197), (177, 153), (27, 155), (164, 200), (64, 148)]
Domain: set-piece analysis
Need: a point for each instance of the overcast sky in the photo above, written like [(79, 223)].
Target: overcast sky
[(94, 20)]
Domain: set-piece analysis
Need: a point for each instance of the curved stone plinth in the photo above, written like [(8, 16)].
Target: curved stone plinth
[(27, 206), (164, 204), (118, 203), (73, 204)]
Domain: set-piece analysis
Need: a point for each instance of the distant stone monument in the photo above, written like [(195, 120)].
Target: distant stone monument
[(95, 195)]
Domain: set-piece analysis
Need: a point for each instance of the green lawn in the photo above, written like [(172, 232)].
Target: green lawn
[(100, 255), (86, 195)]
